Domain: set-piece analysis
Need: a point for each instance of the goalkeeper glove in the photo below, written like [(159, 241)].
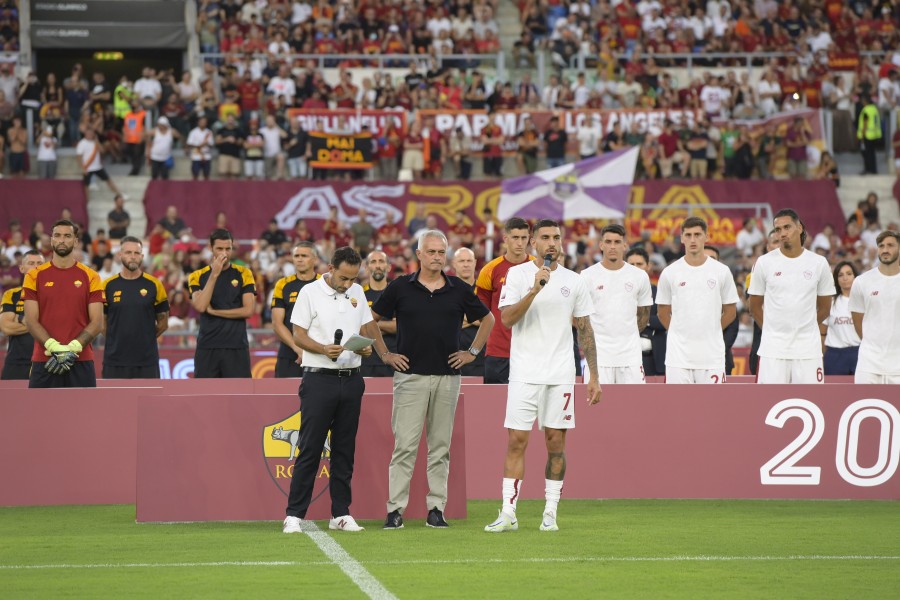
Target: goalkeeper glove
[(55, 367), (75, 346), (52, 347)]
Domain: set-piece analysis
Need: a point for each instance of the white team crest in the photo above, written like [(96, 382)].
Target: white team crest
[(629, 286), (807, 274), (565, 291), (711, 283)]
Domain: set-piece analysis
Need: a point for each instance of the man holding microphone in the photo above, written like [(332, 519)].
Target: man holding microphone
[(328, 311)]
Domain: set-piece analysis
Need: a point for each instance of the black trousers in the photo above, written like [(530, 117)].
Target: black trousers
[(287, 367), (221, 363), (81, 374), (136, 154), (327, 403), (496, 369), (868, 152), (15, 371), (144, 372)]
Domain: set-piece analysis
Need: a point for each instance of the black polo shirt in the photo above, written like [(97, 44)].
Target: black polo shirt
[(131, 307), (232, 284), (390, 340), (429, 323), (285, 296), (20, 346)]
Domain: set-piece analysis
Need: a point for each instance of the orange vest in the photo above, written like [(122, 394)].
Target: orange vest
[(133, 128)]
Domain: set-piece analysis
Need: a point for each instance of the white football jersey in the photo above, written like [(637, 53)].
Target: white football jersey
[(791, 287), (877, 296), (616, 295), (696, 295), (541, 350)]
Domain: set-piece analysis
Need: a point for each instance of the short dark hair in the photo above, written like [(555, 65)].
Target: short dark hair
[(305, 244), (546, 223), (32, 252), (886, 234), (345, 255), (613, 228), (220, 234), (713, 248), (516, 223), (130, 239), (638, 251), (694, 222), (66, 223), (792, 214)]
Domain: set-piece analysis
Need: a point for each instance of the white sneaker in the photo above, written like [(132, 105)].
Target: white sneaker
[(291, 525), (503, 523), (548, 521), (345, 523)]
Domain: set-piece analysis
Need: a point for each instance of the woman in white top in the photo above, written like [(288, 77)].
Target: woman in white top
[(159, 149), (46, 154), (841, 340)]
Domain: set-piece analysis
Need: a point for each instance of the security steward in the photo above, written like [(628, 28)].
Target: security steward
[(326, 312), (12, 316), (377, 265), (137, 313), (304, 257), (225, 296)]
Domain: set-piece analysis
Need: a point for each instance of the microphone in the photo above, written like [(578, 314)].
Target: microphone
[(338, 335), (547, 260)]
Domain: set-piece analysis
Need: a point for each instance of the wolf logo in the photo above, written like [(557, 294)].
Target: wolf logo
[(281, 447), (292, 437)]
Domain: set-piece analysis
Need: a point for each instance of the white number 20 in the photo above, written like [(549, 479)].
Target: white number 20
[(782, 469)]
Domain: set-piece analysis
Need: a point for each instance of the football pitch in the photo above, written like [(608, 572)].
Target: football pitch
[(614, 549)]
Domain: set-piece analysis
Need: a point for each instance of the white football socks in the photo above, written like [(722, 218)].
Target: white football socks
[(552, 492), (511, 489)]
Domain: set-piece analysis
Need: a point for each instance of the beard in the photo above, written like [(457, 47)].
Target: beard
[(378, 275), (132, 266), (889, 260), (63, 250)]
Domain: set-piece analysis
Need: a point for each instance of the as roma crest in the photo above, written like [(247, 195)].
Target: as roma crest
[(280, 449)]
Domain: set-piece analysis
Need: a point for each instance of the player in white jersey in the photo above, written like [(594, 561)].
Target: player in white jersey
[(622, 300), (539, 304), (791, 291), (875, 306), (696, 299)]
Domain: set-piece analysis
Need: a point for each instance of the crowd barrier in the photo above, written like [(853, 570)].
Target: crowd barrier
[(192, 450)]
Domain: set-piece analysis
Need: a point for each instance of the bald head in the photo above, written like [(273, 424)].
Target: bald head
[(464, 264)]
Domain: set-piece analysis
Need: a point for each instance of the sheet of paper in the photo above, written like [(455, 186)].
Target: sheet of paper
[(357, 342)]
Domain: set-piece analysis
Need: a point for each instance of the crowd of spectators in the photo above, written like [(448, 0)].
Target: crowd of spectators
[(9, 26), (252, 74), (174, 249)]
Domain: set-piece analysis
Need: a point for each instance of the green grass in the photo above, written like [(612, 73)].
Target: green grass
[(616, 549)]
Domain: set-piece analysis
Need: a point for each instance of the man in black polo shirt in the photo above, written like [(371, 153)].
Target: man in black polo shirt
[(284, 297), (118, 219), (429, 307), (377, 265), (12, 316), (137, 312), (225, 296)]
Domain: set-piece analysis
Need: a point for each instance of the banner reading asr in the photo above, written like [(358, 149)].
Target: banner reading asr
[(336, 151)]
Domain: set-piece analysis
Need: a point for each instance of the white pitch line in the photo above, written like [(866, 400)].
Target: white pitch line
[(462, 561), (351, 567)]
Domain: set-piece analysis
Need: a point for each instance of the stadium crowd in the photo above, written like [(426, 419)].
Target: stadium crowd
[(176, 248), (252, 72)]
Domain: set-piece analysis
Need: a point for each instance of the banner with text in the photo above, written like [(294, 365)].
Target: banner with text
[(335, 151), (288, 201), (328, 120)]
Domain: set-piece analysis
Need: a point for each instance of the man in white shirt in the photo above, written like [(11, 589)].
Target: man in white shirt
[(769, 91), (622, 299), (538, 302), (589, 136), (580, 91), (200, 143), (714, 98), (696, 299), (272, 136), (791, 291), (332, 388), (875, 306), (148, 87), (282, 85), (89, 154), (748, 238)]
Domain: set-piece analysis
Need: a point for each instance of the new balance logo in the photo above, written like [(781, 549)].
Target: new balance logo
[(567, 418), (682, 284), (777, 273), (875, 293), (48, 284)]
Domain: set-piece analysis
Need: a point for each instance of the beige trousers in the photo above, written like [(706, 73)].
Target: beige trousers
[(427, 401)]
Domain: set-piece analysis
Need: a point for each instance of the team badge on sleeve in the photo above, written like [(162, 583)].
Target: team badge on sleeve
[(234, 283)]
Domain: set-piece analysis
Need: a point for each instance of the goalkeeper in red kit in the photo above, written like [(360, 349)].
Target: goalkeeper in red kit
[(64, 313)]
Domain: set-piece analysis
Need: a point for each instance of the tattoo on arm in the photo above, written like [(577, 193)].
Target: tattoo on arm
[(586, 341), (556, 466), (643, 317)]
